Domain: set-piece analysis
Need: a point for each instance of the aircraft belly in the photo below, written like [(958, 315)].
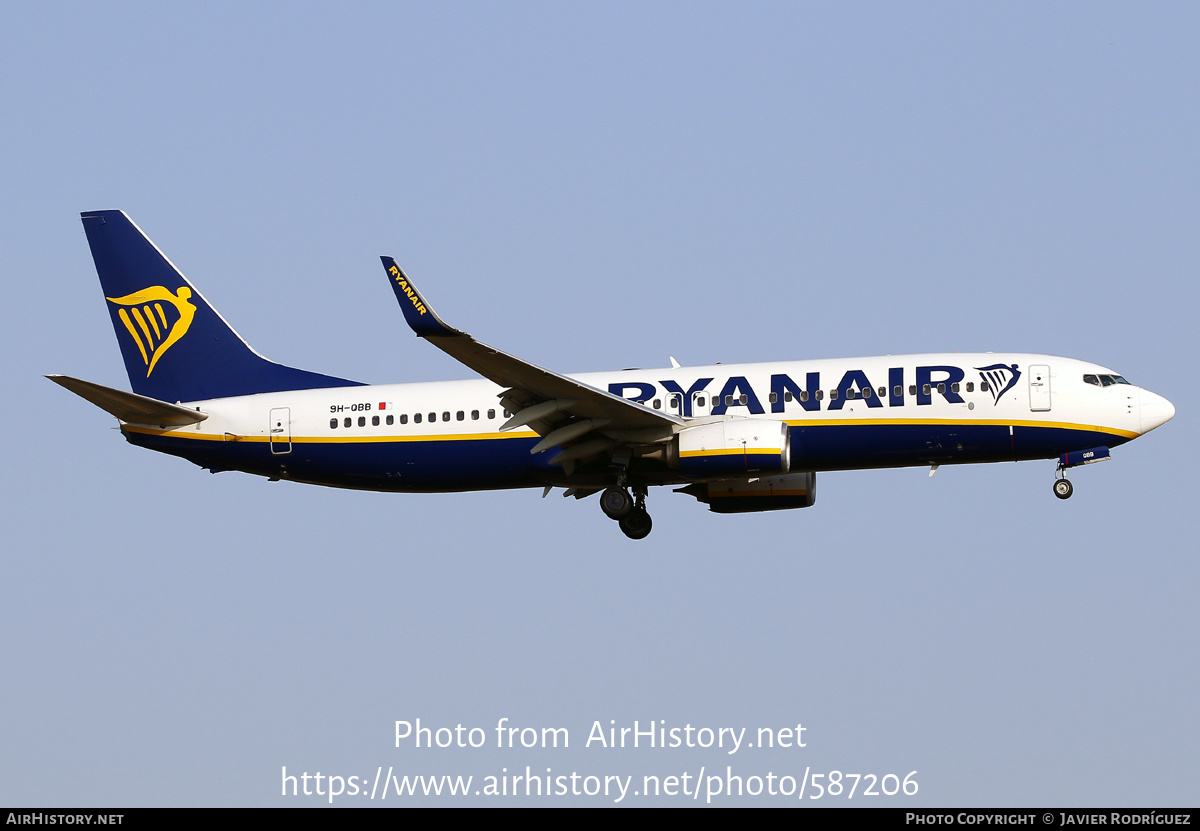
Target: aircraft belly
[(849, 447), (402, 466)]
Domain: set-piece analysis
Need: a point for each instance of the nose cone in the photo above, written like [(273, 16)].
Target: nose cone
[(1155, 410)]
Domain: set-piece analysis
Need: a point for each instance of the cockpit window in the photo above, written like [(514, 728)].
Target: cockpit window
[(1105, 380)]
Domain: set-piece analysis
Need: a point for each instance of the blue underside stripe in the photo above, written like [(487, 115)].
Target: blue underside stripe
[(483, 464)]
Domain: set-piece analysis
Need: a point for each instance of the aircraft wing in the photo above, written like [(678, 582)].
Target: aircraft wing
[(560, 409)]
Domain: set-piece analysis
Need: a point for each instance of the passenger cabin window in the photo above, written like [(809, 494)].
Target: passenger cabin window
[(787, 396), (403, 418), (983, 386), (374, 421), (833, 395), (774, 397), (460, 415), (333, 424), (925, 389), (474, 415), (882, 392), (391, 420), (445, 415), (432, 417), (970, 386), (898, 391), (700, 401), (416, 418), (658, 403), (803, 395), (954, 387), (912, 389), (820, 394), (491, 413), (362, 421), (346, 422)]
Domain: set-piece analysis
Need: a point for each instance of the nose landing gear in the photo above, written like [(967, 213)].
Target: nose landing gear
[(629, 511), (1063, 488)]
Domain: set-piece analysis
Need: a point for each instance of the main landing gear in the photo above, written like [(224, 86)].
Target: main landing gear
[(629, 511)]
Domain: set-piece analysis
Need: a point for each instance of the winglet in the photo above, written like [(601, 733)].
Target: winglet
[(420, 315)]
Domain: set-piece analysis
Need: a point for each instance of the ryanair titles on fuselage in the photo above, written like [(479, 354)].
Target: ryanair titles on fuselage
[(926, 382)]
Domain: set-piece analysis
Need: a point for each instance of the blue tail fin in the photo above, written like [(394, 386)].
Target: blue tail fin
[(176, 347)]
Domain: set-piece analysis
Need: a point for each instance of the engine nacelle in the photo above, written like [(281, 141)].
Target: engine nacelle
[(770, 493), (731, 447)]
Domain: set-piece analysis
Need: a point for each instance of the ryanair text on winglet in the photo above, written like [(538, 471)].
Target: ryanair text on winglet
[(412, 295)]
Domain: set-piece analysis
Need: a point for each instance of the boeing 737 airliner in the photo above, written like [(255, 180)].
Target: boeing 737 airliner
[(748, 437)]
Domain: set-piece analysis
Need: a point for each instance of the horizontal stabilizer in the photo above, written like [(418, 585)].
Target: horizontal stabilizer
[(128, 406)]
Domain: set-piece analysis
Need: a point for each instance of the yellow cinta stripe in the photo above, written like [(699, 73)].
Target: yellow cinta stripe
[(734, 451), (136, 339), (964, 422), (384, 439), (153, 322), (158, 307)]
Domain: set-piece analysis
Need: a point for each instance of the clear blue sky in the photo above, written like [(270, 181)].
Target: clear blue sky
[(594, 187)]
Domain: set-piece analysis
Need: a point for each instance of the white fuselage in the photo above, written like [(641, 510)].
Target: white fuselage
[(842, 413)]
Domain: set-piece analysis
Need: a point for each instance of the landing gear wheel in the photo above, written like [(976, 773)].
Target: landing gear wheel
[(637, 524), (616, 502), (1063, 489)]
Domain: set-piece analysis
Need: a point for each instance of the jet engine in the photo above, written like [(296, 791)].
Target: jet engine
[(731, 447)]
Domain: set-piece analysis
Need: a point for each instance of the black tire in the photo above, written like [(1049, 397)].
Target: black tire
[(637, 524), (616, 502), (1063, 489)]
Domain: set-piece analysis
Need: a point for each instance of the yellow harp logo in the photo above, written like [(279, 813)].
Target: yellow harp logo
[(145, 317)]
